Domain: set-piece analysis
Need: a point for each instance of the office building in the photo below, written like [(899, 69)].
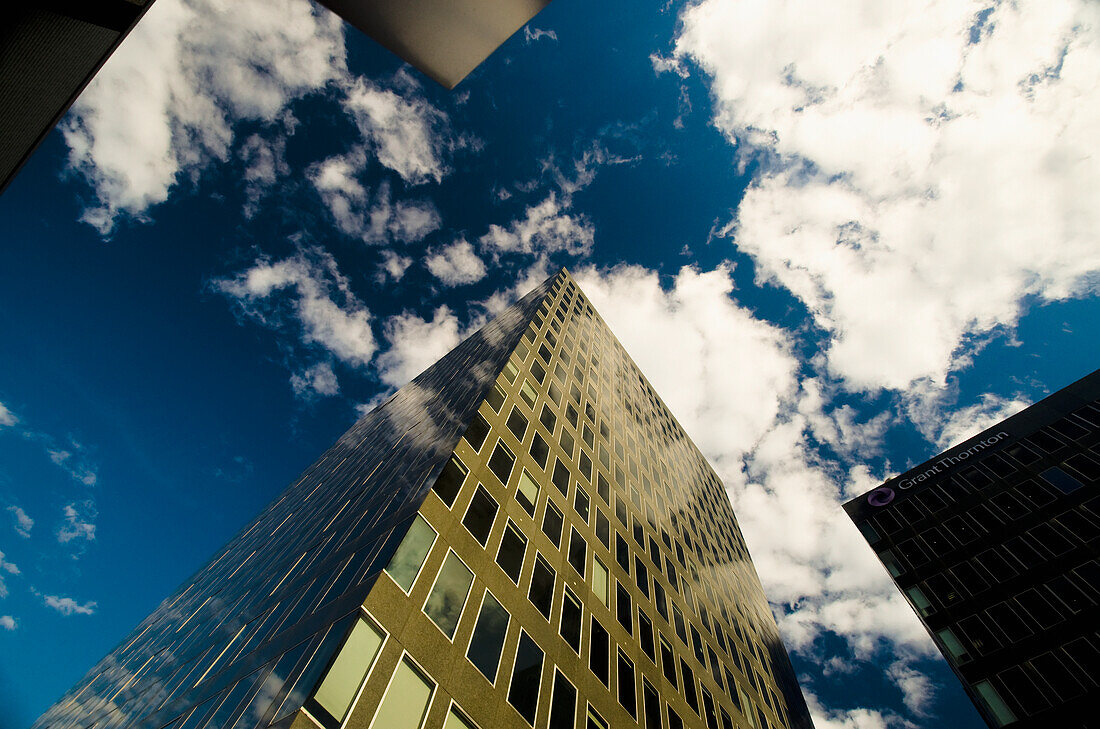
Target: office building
[(994, 543), (523, 536)]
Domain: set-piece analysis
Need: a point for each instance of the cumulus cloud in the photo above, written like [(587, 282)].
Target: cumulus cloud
[(68, 606), (165, 103), (264, 162), (7, 417), (373, 219), (393, 265), (962, 423), (78, 523), (924, 175), (318, 379), (9, 567), (545, 228), (307, 294), (7, 622), (23, 522), (416, 344), (456, 264), (406, 133)]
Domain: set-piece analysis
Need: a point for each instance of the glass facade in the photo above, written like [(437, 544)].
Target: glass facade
[(540, 544), (996, 545)]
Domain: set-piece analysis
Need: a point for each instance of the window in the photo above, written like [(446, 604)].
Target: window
[(513, 545), (628, 696), (554, 393), (405, 703), (954, 647), (457, 720), (552, 522), (645, 631), (674, 720), (697, 645), (689, 686), (994, 703), (603, 529), (563, 703), (919, 600), (480, 515), (567, 442), (580, 503), (450, 480), (561, 477), (622, 552), (651, 705), (406, 562), (594, 721), (541, 593), (599, 652), (495, 398), (540, 451), (510, 371), (578, 551), (523, 693), (548, 419), (1061, 480), (641, 575), (659, 599), (477, 432), (332, 699), (709, 713), (668, 662), (448, 595), (501, 462), (527, 492), (570, 627), (526, 391), (624, 611), (600, 581), (517, 423), (678, 619), (488, 639)]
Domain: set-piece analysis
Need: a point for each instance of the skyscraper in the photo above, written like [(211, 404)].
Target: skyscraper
[(995, 543), (521, 536)]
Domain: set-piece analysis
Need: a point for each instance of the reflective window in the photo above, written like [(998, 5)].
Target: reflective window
[(994, 703), (1061, 480), (628, 697), (501, 462), (527, 492), (561, 477), (600, 581), (603, 529), (622, 552), (578, 551), (570, 628), (563, 703), (668, 662), (594, 720), (599, 652), (523, 693), (641, 575), (526, 392), (651, 706), (624, 611), (709, 713), (406, 701), (954, 647), (540, 451), (689, 686), (919, 600), (580, 503), (517, 423), (645, 635), (487, 641), (450, 481), (448, 595), (495, 398), (480, 515), (457, 720), (410, 555), (477, 432), (332, 699), (513, 545), (541, 593), (548, 419), (552, 522)]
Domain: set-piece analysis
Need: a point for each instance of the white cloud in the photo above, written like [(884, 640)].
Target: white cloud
[(393, 265), (456, 264), (165, 103), (71, 458), (407, 134), (306, 292), (7, 622), (962, 423), (68, 606), (11, 568), (918, 188), (318, 379), (532, 35), (79, 522), (7, 417), (265, 162), (416, 344), (23, 523), (545, 228), (916, 688)]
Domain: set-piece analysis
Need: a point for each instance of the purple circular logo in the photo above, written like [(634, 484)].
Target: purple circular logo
[(880, 497)]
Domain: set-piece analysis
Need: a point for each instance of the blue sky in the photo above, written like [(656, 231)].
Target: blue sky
[(836, 240)]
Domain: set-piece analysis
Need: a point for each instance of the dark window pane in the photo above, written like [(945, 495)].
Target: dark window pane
[(599, 650), (651, 703), (476, 433), (628, 697), (668, 662), (709, 713), (580, 503), (578, 552), (659, 599), (540, 451), (541, 593), (689, 686), (513, 545), (488, 638), (501, 462), (450, 480), (561, 477), (624, 611), (641, 575), (674, 720), (645, 635), (517, 423), (570, 628), (495, 398), (563, 706), (1061, 480), (480, 515), (548, 419), (603, 529), (523, 694), (552, 522)]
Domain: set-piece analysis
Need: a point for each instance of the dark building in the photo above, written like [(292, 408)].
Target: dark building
[(995, 545), (49, 51), (523, 536)]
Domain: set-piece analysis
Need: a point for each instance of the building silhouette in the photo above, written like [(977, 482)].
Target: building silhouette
[(521, 536), (994, 543)]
